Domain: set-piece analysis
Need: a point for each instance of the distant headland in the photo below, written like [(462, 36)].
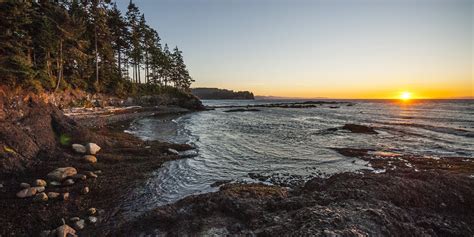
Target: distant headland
[(221, 94)]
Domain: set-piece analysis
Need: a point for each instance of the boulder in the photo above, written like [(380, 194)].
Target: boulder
[(89, 159), (40, 197), (25, 185), (65, 231), (27, 192), (78, 148), (92, 148), (53, 195), (40, 183), (60, 174), (354, 128)]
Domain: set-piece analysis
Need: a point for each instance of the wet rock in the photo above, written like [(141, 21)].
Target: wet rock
[(188, 154), (60, 174), (25, 185), (78, 148), (65, 231), (89, 159), (79, 224), (40, 182), (65, 196), (40, 197), (354, 128), (173, 151), (27, 192), (92, 148), (85, 190), (91, 211), (68, 182), (92, 219), (90, 174), (79, 177), (53, 195)]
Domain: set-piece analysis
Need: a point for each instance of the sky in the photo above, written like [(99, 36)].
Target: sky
[(322, 48)]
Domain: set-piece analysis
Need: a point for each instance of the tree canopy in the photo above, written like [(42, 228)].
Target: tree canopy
[(88, 45)]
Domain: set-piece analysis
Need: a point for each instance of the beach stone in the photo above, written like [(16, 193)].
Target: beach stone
[(40, 182), (68, 182), (85, 190), (90, 174), (53, 195), (173, 151), (92, 219), (27, 192), (60, 174), (79, 176), (78, 148), (65, 196), (80, 224), (40, 197), (91, 211), (65, 231), (92, 148), (25, 185), (45, 233), (98, 172), (74, 219), (1, 185), (39, 189), (54, 183), (89, 159)]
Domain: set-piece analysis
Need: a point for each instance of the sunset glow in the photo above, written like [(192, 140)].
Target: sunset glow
[(405, 95)]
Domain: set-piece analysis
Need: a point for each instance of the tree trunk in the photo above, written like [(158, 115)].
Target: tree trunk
[(59, 64), (120, 63)]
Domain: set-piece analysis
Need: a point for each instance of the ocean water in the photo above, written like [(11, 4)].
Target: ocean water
[(290, 141)]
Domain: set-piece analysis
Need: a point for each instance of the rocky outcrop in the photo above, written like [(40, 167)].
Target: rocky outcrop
[(355, 128)]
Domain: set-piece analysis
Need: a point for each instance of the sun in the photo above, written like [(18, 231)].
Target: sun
[(405, 95)]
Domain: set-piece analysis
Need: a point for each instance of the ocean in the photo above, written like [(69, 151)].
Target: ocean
[(295, 143)]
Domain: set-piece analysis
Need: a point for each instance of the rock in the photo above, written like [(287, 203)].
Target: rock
[(54, 183), (74, 219), (65, 231), (45, 233), (92, 219), (53, 195), (80, 224), (92, 148), (65, 196), (173, 151), (89, 159), (188, 154), (85, 190), (39, 189), (79, 176), (1, 185), (100, 212), (25, 185), (98, 171), (78, 148), (90, 174), (60, 174), (40, 197), (91, 211), (354, 128), (68, 182), (27, 192), (40, 182)]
